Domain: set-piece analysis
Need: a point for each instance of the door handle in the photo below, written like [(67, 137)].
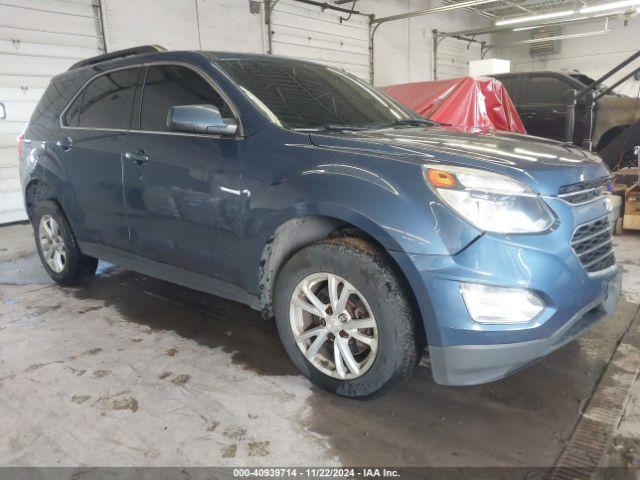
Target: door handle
[(138, 158), (244, 192), (65, 143)]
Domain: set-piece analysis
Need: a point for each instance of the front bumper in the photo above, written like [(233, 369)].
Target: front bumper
[(476, 364), (464, 352)]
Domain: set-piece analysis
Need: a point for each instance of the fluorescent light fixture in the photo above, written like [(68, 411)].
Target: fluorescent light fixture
[(609, 6), (563, 37), (568, 20), (556, 22), (533, 18), (522, 29)]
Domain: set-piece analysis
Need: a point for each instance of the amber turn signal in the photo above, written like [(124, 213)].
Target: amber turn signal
[(440, 178)]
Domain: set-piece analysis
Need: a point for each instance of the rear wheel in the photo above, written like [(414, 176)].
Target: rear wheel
[(57, 247), (345, 318)]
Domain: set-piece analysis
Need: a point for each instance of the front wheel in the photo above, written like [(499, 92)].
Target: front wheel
[(345, 318), (619, 230)]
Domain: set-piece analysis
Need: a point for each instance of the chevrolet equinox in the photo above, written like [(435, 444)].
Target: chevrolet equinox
[(367, 231)]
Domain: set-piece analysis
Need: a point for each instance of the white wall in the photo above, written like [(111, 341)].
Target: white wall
[(298, 30), (593, 55), (224, 25), (403, 48), (308, 32)]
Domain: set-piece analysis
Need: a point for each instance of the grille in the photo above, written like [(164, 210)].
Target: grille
[(593, 244), (583, 191)]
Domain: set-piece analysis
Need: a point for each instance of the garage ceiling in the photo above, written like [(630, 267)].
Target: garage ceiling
[(502, 9), (511, 14)]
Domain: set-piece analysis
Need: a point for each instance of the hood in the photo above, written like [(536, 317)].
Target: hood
[(544, 165)]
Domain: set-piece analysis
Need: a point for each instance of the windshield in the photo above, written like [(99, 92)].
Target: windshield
[(301, 95)]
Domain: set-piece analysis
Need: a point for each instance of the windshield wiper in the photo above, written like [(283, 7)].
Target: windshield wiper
[(332, 127), (412, 122), (335, 127)]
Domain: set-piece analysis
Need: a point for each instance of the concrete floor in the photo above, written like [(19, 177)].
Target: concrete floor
[(624, 450), (134, 371)]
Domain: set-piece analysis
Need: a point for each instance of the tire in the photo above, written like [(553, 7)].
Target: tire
[(619, 227), (74, 267), (358, 264)]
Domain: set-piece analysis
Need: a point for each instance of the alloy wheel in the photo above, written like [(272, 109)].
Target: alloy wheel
[(54, 249), (333, 326)]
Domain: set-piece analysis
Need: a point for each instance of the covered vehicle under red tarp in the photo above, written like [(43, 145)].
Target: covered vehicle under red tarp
[(469, 102)]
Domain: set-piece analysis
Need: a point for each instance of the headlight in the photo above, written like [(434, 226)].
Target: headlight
[(487, 304), (490, 201)]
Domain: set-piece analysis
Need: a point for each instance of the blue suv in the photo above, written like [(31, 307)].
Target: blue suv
[(369, 232)]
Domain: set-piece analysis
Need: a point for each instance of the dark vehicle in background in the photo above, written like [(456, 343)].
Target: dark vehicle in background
[(305, 193), (586, 80), (541, 103)]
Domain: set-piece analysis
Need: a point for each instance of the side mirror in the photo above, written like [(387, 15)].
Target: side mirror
[(200, 119)]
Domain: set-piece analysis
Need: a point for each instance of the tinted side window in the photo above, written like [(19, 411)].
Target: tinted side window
[(105, 102), (167, 86), (543, 89)]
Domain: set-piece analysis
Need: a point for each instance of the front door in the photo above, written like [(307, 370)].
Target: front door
[(90, 145), (542, 106), (183, 191)]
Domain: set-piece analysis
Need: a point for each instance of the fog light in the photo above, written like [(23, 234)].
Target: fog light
[(488, 304)]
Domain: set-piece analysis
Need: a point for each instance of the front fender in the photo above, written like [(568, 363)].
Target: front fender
[(389, 200), (342, 214), (386, 199)]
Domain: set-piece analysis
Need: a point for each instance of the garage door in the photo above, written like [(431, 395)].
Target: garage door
[(38, 39), (308, 33), (454, 56)]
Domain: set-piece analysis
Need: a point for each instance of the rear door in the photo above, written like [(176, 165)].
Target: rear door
[(90, 145), (183, 190)]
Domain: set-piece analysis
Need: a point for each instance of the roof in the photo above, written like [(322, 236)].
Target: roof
[(131, 53)]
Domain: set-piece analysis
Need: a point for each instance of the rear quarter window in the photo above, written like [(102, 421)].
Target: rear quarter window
[(105, 102), (47, 113)]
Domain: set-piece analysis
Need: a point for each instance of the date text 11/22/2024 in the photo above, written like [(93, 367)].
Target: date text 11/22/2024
[(349, 473)]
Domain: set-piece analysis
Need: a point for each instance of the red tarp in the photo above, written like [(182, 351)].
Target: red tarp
[(468, 102)]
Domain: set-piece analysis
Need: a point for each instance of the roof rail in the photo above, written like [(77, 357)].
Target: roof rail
[(118, 54)]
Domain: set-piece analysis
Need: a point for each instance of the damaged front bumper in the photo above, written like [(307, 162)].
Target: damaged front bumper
[(476, 364), (465, 352)]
